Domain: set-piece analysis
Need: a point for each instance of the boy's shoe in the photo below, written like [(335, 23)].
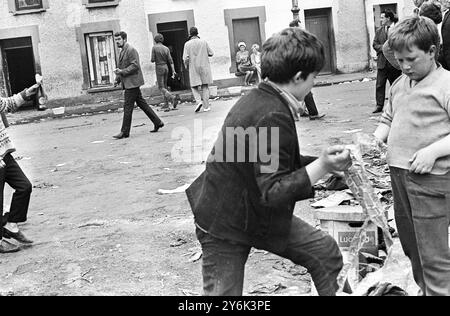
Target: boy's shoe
[(19, 236), (198, 107), (7, 247), (207, 110), (316, 117)]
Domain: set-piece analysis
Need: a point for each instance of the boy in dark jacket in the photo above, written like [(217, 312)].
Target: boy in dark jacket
[(255, 175)]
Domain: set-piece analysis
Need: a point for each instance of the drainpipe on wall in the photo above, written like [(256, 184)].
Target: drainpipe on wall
[(369, 45), (295, 10)]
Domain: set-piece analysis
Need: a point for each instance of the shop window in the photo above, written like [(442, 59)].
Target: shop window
[(101, 59), (100, 3)]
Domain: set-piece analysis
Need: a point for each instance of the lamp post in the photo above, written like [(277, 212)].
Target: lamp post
[(295, 10)]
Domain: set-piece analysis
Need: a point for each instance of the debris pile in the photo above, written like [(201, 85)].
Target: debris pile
[(365, 190)]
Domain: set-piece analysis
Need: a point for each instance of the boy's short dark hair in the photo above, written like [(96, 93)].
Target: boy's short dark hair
[(159, 38), (289, 52), (418, 31), (431, 10), (121, 34)]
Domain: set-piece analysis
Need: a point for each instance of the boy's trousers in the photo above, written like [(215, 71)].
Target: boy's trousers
[(13, 175), (422, 213)]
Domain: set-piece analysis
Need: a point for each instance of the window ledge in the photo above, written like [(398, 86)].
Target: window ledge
[(103, 89), (102, 4), (28, 11)]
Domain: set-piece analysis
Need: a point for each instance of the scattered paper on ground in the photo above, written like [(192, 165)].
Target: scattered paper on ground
[(181, 189), (333, 200)]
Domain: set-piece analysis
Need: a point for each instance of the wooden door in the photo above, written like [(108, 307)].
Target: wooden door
[(318, 23)]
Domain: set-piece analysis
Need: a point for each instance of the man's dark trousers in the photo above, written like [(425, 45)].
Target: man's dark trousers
[(387, 73), (133, 96), (13, 175), (311, 105)]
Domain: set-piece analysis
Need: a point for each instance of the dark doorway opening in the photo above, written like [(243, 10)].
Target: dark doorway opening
[(18, 65), (319, 23), (175, 36)]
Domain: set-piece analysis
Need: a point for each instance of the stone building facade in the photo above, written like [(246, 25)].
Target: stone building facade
[(71, 41)]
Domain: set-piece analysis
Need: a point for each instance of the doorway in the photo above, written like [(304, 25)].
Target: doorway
[(247, 31), (318, 22), (175, 36), (18, 64)]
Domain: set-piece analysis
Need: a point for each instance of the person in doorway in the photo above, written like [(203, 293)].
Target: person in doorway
[(385, 71), (12, 174), (249, 201), (256, 60), (244, 63), (416, 127), (162, 58), (196, 58), (310, 104), (129, 74)]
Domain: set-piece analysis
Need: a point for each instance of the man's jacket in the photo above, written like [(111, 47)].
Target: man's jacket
[(445, 51), (381, 37), (129, 63), (251, 201)]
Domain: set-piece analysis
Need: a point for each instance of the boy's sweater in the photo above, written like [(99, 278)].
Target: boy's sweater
[(418, 116), (8, 105)]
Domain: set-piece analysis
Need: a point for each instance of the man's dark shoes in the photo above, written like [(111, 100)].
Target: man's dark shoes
[(121, 136), (19, 236), (157, 128), (316, 117), (7, 247), (378, 110)]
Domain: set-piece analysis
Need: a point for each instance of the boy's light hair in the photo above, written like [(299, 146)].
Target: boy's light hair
[(418, 31)]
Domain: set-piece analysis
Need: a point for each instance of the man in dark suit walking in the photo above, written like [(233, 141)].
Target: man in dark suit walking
[(385, 70), (445, 51), (130, 75)]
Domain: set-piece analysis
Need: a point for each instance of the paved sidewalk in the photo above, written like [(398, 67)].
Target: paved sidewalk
[(116, 103)]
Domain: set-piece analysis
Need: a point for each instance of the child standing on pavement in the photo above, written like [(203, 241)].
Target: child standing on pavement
[(416, 126)]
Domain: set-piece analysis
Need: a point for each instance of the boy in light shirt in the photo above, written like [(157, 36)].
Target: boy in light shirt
[(416, 126)]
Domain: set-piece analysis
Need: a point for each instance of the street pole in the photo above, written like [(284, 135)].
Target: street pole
[(295, 10)]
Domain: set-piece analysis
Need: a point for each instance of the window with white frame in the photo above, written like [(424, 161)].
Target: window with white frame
[(22, 5), (27, 6), (100, 3), (101, 59)]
